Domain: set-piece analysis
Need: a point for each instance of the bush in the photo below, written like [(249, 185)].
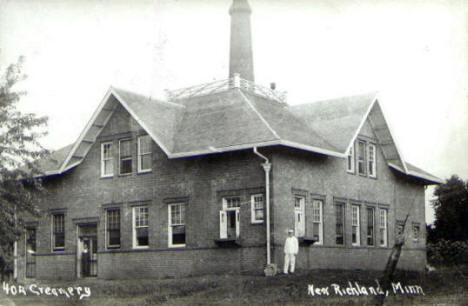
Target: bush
[(446, 252)]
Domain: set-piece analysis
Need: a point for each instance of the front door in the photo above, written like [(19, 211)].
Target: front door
[(87, 257)]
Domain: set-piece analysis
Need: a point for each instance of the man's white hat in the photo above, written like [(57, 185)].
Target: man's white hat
[(290, 230)]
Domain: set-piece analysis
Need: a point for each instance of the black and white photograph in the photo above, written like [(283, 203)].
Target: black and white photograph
[(198, 152)]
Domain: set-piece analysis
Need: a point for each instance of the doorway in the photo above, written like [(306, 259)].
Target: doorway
[(87, 257)]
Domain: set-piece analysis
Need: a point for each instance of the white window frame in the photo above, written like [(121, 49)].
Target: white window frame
[(299, 212), (103, 159), (350, 167), (343, 222), (61, 248), (383, 227), (223, 216), (373, 226), (364, 156), (170, 224), (141, 154), (318, 221), (356, 224), (371, 160), (114, 246), (134, 227), (254, 220), (127, 158)]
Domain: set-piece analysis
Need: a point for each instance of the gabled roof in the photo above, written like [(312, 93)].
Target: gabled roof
[(238, 118)]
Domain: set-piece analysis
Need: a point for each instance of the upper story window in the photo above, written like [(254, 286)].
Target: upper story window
[(58, 232), (125, 156), (140, 227), (361, 157), (350, 161), (257, 208), (113, 228), (144, 153), (107, 161), (371, 160), (176, 223)]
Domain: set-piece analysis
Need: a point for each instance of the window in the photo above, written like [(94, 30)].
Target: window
[(370, 225), (30, 252), (383, 227), (176, 225), (356, 226), (317, 222), (113, 228), (257, 208), (58, 232), (339, 210), (416, 231), (232, 202), (362, 157), (140, 227), (350, 168), (125, 156), (371, 160), (107, 162), (299, 216), (144, 153)]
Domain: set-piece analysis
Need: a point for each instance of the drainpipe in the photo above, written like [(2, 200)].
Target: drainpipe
[(266, 166)]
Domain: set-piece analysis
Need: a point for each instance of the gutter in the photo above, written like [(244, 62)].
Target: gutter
[(266, 167)]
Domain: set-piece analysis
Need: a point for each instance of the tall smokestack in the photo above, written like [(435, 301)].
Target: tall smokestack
[(240, 56)]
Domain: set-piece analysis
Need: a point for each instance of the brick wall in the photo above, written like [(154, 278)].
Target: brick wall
[(314, 175)]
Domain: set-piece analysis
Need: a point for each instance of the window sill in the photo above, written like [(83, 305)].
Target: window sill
[(141, 247), (306, 241), (227, 243), (59, 250), (107, 177), (177, 246), (125, 174), (351, 172), (113, 247), (145, 171), (256, 222)]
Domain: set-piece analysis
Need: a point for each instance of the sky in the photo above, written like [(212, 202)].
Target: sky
[(413, 52)]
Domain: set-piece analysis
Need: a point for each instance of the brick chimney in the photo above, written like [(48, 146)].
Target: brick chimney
[(240, 56)]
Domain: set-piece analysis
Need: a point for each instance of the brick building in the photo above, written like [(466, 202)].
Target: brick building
[(210, 180)]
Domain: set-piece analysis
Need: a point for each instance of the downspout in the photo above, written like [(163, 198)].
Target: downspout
[(266, 166)]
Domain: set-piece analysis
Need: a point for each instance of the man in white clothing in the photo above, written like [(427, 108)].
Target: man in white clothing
[(291, 247)]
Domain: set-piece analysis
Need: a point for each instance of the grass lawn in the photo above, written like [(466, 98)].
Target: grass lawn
[(446, 286)]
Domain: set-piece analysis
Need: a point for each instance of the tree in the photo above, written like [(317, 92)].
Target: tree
[(20, 153), (451, 210)]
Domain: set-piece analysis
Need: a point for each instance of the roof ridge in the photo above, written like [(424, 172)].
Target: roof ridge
[(374, 93), (150, 98), (259, 115)]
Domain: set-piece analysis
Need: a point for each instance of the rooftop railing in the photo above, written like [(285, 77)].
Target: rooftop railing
[(224, 85)]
